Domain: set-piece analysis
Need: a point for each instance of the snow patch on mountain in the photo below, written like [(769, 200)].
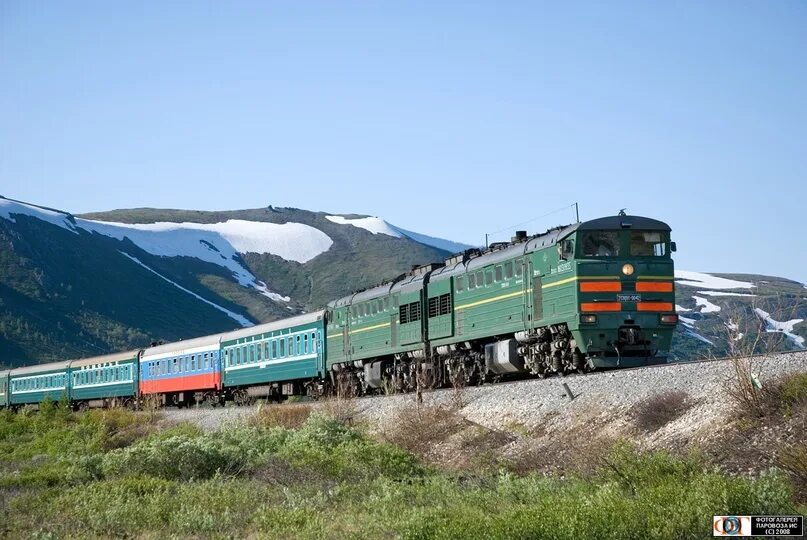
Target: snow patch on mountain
[(707, 306), (708, 281), (10, 208), (721, 293), (212, 241), (240, 319), (373, 224), (378, 226), (216, 243), (786, 327), (439, 243)]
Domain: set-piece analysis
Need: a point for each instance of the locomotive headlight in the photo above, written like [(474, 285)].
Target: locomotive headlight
[(627, 269), (588, 319)]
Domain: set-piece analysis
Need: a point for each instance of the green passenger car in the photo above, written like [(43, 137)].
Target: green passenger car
[(103, 381), (36, 383), (256, 359)]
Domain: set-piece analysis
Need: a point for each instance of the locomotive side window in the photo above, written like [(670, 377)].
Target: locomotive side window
[(499, 273), (460, 283), (519, 267), (480, 279), (567, 249), (471, 281), (648, 244), (508, 270), (488, 277), (601, 244)]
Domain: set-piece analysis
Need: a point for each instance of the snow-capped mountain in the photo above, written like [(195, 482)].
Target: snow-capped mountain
[(724, 314), (110, 280)]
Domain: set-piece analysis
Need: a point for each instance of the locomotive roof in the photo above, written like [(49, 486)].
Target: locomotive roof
[(542, 241), (274, 325), (623, 222), (116, 357)]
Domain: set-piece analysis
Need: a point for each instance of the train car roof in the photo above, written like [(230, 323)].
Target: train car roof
[(187, 346), (115, 357), (40, 368), (4, 373), (274, 325)]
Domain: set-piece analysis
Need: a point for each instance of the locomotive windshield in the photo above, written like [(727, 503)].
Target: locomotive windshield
[(625, 243), (600, 244), (648, 243)]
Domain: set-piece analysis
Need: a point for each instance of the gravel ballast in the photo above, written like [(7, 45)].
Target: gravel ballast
[(544, 404)]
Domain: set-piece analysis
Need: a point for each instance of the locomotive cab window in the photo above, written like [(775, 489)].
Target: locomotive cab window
[(648, 243), (600, 243)]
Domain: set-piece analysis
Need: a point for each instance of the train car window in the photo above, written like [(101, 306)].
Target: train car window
[(499, 273), (238, 356), (519, 267), (313, 342), (460, 281), (305, 343), (600, 243), (374, 308), (259, 351), (366, 309), (508, 270), (488, 277), (480, 279), (274, 348), (471, 281), (386, 304), (297, 345), (648, 243), (395, 301)]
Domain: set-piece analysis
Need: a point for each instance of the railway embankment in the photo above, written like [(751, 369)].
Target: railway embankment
[(561, 422)]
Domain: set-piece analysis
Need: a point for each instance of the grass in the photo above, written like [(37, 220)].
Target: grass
[(303, 474)]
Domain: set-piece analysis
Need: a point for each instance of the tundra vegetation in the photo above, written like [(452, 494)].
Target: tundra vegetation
[(294, 471)]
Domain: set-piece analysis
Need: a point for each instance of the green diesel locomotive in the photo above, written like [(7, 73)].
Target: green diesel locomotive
[(598, 294)]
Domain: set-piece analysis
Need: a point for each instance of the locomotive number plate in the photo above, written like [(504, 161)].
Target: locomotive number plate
[(629, 298)]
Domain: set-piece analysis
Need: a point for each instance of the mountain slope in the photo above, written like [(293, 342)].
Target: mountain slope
[(76, 285), (728, 314)]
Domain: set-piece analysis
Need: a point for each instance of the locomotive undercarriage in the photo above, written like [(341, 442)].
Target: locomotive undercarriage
[(542, 352)]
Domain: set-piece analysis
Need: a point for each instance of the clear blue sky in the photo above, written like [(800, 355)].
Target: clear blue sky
[(450, 119)]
